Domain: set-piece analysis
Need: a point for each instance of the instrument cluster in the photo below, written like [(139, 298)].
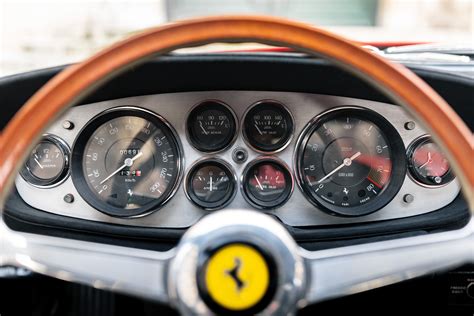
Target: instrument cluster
[(347, 159)]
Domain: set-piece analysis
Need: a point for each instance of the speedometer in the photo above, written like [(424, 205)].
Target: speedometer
[(350, 161), (126, 162)]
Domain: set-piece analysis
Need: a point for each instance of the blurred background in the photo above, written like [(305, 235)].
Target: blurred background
[(38, 34)]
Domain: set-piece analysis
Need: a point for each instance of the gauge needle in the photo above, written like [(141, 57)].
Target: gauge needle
[(258, 182), (210, 184), (258, 129), (427, 162), (203, 129), (346, 162), (36, 160), (127, 163)]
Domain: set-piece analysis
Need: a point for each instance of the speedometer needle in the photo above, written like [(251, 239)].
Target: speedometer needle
[(346, 162), (127, 163)]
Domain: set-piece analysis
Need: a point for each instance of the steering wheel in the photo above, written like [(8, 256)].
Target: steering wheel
[(237, 261)]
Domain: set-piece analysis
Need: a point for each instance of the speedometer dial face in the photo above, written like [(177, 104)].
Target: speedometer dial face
[(351, 162), (126, 162), (268, 126), (211, 126)]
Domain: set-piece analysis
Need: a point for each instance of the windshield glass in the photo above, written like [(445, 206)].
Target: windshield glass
[(38, 34)]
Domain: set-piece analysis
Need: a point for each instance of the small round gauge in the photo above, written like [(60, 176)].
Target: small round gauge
[(210, 184), (48, 162), (126, 162), (211, 126), (267, 183), (428, 164), (350, 161), (268, 126)]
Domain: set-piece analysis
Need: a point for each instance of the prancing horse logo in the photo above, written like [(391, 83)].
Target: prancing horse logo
[(234, 274)]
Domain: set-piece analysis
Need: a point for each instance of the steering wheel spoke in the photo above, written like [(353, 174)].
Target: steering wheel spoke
[(137, 272), (348, 270)]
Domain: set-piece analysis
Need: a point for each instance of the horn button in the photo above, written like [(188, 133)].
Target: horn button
[(237, 262), (237, 277)]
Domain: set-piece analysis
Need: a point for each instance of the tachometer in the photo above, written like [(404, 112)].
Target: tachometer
[(126, 162), (350, 161)]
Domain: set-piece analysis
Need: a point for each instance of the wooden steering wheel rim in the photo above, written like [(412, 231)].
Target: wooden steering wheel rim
[(72, 84)]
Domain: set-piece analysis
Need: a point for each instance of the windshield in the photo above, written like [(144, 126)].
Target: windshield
[(38, 34)]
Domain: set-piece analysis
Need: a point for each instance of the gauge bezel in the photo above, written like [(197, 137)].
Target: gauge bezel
[(77, 156), (280, 146), (398, 158), (189, 192), (257, 203), (413, 174), (191, 138), (61, 177)]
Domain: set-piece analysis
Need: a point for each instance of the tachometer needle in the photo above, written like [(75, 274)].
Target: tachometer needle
[(210, 184), (346, 162), (258, 182), (36, 160), (127, 163)]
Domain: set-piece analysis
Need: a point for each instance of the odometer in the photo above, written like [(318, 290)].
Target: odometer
[(126, 162), (351, 161)]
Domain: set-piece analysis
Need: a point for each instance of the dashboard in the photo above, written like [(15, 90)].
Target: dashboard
[(165, 160)]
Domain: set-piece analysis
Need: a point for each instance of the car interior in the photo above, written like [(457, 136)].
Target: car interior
[(313, 175)]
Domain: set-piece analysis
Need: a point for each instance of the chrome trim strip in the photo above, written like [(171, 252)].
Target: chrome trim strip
[(348, 270), (127, 270)]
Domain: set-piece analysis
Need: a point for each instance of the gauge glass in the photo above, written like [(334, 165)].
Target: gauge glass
[(428, 164), (268, 126), (47, 163), (126, 162), (211, 184), (267, 183), (349, 159), (211, 126)]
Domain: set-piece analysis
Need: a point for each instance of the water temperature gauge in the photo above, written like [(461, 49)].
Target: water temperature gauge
[(211, 184), (48, 162), (427, 163)]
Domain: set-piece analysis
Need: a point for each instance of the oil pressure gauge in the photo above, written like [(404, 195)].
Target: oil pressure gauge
[(267, 183), (427, 163), (48, 162)]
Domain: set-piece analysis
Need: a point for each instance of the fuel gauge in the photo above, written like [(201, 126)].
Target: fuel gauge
[(48, 162), (427, 163)]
